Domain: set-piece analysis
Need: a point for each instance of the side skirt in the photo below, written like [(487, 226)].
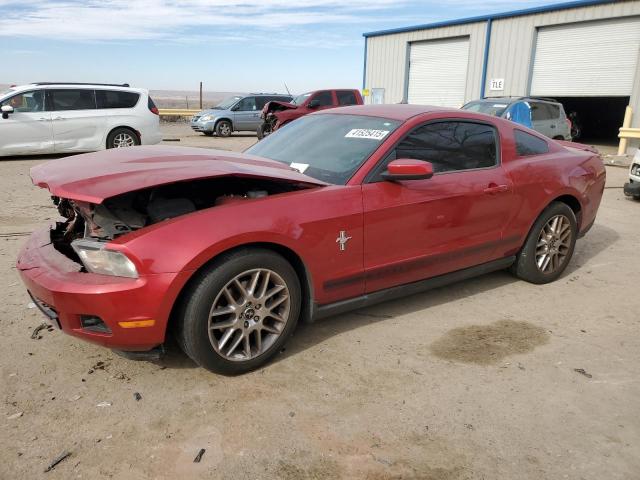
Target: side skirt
[(328, 310)]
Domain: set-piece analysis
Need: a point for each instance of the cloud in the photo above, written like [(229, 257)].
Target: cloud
[(196, 21), (154, 19)]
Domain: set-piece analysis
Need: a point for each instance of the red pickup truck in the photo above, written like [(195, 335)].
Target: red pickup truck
[(276, 114)]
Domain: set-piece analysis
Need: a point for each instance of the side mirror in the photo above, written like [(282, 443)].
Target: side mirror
[(6, 110), (408, 169), (315, 103)]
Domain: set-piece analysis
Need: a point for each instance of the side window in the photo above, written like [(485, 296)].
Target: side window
[(346, 97), (554, 110), (540, 112), (325, 98), (451, 146), (72, 99), (247, 104), (116, 99), (527, 144), (260, 101), (26, 102)]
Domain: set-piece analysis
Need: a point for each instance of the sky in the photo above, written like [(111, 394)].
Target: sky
[(229, 45)]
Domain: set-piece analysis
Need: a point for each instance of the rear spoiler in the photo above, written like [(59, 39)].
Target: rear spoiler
[(579, 146)]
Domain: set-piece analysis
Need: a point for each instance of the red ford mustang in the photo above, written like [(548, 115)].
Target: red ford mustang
[(335, 211)]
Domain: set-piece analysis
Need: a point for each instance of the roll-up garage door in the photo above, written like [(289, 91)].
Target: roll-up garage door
[(438, 72), (596, 59)]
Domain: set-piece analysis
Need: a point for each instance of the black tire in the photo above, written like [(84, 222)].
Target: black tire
[(224, 128), (263, 130), (193, 313), (117, 136), (525, 266), (558, 137), (208, 134)]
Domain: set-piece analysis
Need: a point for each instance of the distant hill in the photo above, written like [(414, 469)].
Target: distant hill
[(187, 99)]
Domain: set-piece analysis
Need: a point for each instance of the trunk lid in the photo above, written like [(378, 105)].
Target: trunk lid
[(95, 177)]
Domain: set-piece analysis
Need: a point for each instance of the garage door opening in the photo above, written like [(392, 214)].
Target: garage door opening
[(598, 118)]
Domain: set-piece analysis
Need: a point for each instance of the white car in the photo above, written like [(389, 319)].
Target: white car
[(632, 187), (44, 118)]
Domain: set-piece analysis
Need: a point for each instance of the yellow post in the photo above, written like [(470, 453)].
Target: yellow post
[(626, 123)]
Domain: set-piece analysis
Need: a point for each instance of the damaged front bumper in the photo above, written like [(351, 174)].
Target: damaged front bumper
[(68, 296)]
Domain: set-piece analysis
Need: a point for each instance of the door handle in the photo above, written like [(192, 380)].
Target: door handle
[(553, 126), (493, 189), (43, 119), (58, 118)]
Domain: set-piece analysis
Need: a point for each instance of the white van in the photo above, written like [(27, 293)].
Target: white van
[(44, 118)]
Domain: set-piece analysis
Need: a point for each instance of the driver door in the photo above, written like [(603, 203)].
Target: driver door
[(417, 229), (28, 129)]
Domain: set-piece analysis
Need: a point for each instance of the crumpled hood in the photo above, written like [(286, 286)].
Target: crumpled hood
[(94, 177), (276, 105)]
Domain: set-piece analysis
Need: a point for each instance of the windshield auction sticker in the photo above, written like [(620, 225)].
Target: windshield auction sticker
[(366, 133), (301, 167)]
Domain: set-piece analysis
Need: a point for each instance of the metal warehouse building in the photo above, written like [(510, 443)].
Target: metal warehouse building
[(585, 54)]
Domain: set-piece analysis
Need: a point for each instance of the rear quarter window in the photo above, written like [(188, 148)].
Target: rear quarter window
[(116, 99), (527, 144), (346, 97)]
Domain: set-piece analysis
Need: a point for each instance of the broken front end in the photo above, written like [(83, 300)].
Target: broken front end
[(81, 274), (271, 121)]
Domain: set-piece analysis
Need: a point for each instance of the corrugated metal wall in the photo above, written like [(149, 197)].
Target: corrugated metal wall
[(387, 58), (510, 53), (513, 40)]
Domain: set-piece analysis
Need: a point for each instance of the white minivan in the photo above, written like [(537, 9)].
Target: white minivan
[(44, 118)]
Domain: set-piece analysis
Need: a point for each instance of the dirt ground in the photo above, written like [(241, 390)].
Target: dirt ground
[(491, 378)]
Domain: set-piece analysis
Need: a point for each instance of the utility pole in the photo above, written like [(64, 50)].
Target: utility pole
[(200, 95)]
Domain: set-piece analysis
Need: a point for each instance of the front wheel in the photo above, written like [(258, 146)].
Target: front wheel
[(121, 138), (224, 128), (549, 246), (240, 311), (263, 130)]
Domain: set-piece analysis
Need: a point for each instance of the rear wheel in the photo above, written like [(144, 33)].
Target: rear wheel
[(224, 128), (549, 246), (240, 311), (121, 138)]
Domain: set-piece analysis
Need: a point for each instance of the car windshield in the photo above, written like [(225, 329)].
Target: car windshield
[(327, 147), (228, 103), (299, 100), (490, 108)]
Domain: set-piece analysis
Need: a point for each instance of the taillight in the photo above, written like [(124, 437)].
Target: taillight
[(152, 107), (569, 123)]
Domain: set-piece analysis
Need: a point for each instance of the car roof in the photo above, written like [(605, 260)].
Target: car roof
[(98, 86), (264, 95), (514, 99), (401, 112)]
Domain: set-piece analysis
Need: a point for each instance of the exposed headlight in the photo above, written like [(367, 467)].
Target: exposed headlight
[(97, 259), (206, 118)]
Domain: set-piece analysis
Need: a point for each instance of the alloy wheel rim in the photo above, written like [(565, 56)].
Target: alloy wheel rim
[(554, 243), (123, 140), (249, 314), (224, 129)]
